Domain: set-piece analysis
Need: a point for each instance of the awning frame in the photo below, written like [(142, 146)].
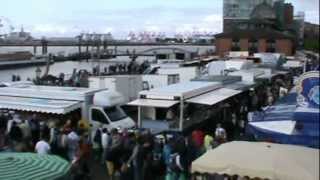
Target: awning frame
[(22, 104), (181, 118), (214, 97)]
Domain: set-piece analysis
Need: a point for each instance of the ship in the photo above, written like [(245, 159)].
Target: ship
[(16, 56)]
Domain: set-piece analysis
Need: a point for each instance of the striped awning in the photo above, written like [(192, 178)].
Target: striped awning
[(31, 166)]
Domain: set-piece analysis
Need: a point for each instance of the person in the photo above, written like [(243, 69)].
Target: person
[(177, 167), (63, 143), (220, 134), (35, 129), (42, 147), (73, 144), (208, 142), (53, 137), (254, 100), (15, 133), (113, 160), (16, 119), (25, 128), (97, 147), (85, 146), (105, 142), (270, 99), (198, 138), (137, 159), (148, 147)]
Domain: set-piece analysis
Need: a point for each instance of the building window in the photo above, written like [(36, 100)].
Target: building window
[(235, 44), (271, 45)]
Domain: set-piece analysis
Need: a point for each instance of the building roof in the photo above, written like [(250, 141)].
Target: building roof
[(257, 34)]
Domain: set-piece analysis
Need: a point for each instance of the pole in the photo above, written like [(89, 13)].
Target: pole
[(34, 50), (181, 115), (139, 117)]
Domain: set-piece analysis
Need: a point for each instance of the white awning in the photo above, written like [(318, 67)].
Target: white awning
[(214, 97), (153, 103), (38, 105)]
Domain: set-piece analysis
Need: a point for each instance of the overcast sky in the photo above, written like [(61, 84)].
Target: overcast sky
[(70, 17)]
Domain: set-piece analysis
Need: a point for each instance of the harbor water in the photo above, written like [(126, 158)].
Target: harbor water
[(68, 66)]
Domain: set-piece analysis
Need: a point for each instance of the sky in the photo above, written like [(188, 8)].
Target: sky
[(61, 18)]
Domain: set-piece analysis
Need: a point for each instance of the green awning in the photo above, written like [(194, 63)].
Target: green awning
[(31, 166)]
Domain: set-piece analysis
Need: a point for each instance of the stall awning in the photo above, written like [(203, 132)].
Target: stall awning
[(282, 127), (258, 159), (38, 105), (153, 103), (214, 97)]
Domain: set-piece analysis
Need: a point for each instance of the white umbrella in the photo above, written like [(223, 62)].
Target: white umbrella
[(261, 160)]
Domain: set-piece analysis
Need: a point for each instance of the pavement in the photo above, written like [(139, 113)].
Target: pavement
[(98, 171)]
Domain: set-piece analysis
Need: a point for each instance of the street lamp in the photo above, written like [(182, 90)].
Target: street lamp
[(38, 73)]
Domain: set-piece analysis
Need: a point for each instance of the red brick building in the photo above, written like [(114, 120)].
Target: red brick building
[(254, 41)]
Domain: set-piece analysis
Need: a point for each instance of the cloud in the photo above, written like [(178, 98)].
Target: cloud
[(213, 18), (69, 18), (54, 30)]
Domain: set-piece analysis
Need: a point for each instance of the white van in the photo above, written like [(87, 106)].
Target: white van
[(99, 107)]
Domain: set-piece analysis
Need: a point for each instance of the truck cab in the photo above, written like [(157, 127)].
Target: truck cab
[(106, 111)]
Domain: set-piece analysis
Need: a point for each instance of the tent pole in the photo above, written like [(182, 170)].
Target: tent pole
[(181, 115), (139, 117)]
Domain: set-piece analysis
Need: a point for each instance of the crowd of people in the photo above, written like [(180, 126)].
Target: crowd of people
[(128, 154), (124, 154), (80, 78)]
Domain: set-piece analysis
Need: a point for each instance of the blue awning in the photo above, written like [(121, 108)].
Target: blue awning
[(287, 124)]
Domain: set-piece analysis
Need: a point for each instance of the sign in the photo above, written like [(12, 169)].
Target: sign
[(308, 90)]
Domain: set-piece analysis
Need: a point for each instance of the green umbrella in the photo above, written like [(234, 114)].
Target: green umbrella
[(30, 166)]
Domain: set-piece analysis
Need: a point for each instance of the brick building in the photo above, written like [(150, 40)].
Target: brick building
[(254, 41)]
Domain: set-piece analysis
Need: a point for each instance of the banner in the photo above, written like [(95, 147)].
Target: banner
[(308, 90)]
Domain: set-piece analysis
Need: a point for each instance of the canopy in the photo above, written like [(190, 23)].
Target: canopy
[(30, 166), (153, 103), (38, 105), (263, 160), (243, 86), (285, 123), (214, 97), (284, 127)]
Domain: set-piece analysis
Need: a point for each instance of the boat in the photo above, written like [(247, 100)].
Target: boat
[(16, 55)]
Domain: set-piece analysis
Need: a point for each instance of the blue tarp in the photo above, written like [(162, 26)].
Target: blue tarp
[(306, 131)]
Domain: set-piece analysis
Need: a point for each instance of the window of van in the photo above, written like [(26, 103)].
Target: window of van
[(115, 113), (97, 115)]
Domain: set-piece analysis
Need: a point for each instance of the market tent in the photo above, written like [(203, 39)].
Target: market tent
[(242, 86), (284, 127), (263, 160), (30, 166), (285, 123), (214, 97), (38, 105)]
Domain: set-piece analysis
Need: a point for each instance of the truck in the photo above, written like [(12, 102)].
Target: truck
[(100, 107), (185, 73), (189, 104), (128, 86), (159, 80)]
